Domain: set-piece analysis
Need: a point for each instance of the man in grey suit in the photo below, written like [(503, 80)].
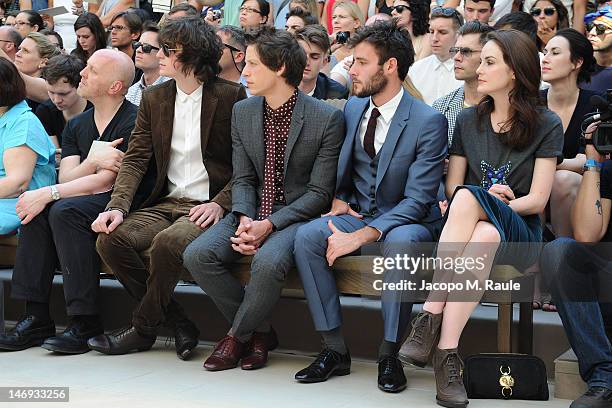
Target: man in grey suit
[(389, 171), (285, 154)]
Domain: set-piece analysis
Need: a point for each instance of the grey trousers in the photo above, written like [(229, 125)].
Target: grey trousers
[(247, 309)]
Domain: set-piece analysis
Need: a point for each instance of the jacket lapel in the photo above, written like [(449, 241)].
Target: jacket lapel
[(166, 112), (256, 134), (353, 121), (297, 120), (398, 123), (209, 106)]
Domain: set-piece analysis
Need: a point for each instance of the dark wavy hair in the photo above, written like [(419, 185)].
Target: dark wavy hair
[(277, 48), (581, 49), (390, 41), (419, 10), (521, 56), (34, 18), (63, 66), (91, 21), (13, 87), (201, 46)]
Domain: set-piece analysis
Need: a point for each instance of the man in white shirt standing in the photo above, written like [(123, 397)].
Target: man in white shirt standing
[(146, 59), (182, 144), (434, 76)]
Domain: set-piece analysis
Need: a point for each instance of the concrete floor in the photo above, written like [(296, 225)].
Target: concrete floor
[(157, 378)]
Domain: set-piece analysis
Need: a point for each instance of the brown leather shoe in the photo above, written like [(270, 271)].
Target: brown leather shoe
[(226, 355), (448, 369), (256, 354), (423, 338)]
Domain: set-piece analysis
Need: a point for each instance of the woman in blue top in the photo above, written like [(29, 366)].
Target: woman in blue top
[(27, 159), (501, 170)]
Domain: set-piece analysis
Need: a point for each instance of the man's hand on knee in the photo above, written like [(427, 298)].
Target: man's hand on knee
[(107, 221)]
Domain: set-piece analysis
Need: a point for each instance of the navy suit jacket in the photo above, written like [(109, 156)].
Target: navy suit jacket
[(410, 166)]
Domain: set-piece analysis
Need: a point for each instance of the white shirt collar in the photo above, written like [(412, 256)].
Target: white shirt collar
[(449, 64), (388, 109), (312, 92), (194, 97)]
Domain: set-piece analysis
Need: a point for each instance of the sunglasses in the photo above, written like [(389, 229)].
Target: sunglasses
[(166, 50), (548, 11), (600, 29), (146, 48), (400, 9), (447, 12), (464, 51), (229, 47)]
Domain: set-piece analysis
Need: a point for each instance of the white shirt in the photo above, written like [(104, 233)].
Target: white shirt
[(187, 176), (64, 25), (383, 122), (312, 92), (434, 78), (134, 93)]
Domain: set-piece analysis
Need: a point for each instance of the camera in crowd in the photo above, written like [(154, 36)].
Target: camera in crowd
[(602, 138), (342, 37), (217, 14)]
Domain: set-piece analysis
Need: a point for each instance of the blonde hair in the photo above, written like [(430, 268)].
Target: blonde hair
[(46, 49), (353, 9), (411, 89), (309, 5)]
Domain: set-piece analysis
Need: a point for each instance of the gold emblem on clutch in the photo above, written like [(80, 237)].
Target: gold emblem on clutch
[(506, 381)]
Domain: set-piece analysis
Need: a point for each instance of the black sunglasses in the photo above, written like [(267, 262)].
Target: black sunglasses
[(229, 47), (146, 48), (166, 50), (464, 51), (447, 12), (401, 8), (548, 11), (600, 29)]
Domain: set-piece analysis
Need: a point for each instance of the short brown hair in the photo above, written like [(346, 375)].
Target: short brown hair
[(315, 34), (13, 87)]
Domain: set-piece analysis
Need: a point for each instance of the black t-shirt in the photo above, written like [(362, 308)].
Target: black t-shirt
[(571, 142), (605, 190), (53, 119), (491, 162), (81, 131)]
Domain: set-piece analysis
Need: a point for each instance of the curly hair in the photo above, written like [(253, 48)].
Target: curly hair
[(63, 66), (420, 17), (201, 47)]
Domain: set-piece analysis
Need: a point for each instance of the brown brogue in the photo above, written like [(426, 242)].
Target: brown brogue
[(226, 355), (256, 355)]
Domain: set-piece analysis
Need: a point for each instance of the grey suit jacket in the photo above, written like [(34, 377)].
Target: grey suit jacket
[(311, 159), (410, 166)]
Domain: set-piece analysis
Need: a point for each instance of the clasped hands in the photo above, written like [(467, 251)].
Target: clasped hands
[(250, 235)]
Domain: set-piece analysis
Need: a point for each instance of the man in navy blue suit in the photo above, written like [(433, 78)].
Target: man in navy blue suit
[(389, 170)]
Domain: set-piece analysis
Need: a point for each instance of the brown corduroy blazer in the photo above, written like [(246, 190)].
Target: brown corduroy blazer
[(152, 137)]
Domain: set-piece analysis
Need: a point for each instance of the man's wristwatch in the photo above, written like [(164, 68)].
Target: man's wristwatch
[(118, 209), (592, 165), (55, 195)]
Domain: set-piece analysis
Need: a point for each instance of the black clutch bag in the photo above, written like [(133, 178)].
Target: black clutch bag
[(505, 376)]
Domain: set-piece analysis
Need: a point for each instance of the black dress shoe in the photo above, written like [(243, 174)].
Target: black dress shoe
[(391, 376), (186, 336), (74, 339), (595, 397), (327, 363), (30, 331), (121, 342)]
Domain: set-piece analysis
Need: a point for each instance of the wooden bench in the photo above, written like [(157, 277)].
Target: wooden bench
[(352, 278)]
